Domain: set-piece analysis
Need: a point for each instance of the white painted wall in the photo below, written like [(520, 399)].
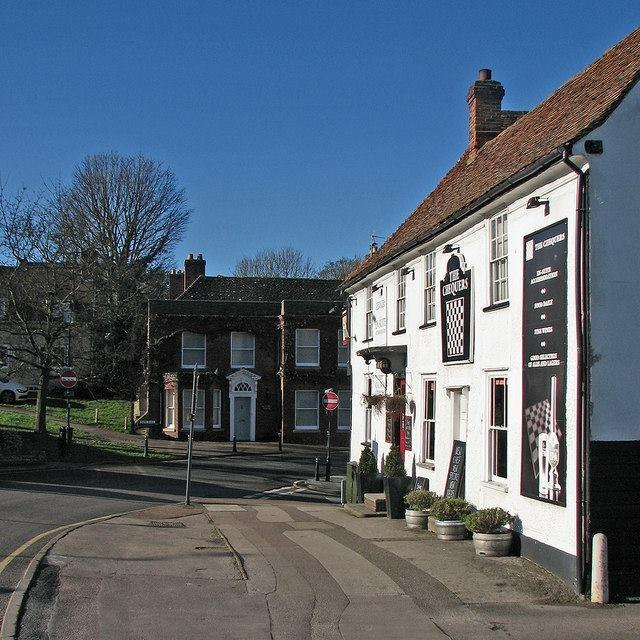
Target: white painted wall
[(498, 346), (615, 265)]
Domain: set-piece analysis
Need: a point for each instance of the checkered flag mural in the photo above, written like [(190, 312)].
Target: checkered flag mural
[(455, 327), (538, 420)]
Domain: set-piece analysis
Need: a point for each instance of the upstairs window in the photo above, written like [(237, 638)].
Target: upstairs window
[(307, 348), (430, 288), (401, 303), (499, 268), (243, 349), (369, 314), (343, 350), (194, 350)]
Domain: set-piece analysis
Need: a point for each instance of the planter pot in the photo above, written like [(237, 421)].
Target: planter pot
[(368, 483), (416, 519), (450, 530), (492, 544), (395, 489)]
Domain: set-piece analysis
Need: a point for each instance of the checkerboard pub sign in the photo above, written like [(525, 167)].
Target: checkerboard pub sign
[(456, 312)]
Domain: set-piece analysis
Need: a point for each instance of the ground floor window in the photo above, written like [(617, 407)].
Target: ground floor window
[(368, 412), (307, 410), (198, 423), (428, 450), (216, 409), (498, 429), (344, 411), (169, 409)]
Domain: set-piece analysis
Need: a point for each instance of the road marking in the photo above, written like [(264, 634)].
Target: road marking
[(23, 547)]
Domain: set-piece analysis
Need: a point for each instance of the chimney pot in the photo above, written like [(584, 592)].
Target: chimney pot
[(190, 256), (485, 74)]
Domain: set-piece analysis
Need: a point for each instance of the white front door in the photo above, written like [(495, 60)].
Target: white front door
[(242, 427)]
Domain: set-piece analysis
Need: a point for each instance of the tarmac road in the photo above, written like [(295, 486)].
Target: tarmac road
[(35, 502)]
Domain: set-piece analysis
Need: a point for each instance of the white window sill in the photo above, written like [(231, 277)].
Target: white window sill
[(496, 486), (306, 429), (345, 429), (430, 466)]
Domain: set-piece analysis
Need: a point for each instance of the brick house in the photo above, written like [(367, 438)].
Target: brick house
[(266, 349)]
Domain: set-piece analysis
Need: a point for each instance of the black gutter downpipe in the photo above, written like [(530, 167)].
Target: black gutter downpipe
[(582, 318)]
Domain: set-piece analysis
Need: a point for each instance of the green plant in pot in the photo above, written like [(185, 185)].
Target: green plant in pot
[(369, 480), (419, 503), (490, 537), (449, 514), (396, 483)]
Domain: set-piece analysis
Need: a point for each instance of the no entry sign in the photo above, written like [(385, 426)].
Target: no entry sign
[(68, 378), (330, 401)]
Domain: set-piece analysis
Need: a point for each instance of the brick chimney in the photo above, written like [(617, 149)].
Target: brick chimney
[(176, 283), (486, 117), (193, 268)]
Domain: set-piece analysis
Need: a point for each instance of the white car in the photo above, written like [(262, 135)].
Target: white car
[(12, 391)]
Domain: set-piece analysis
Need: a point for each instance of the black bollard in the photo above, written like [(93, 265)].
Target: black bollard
[(317, 474), (146, 446), (62, 441), (235, 446)]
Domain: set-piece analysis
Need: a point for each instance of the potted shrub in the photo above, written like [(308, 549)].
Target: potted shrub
[(419, 505), (368, 478), (449, 514), (490, 537), (396, 483)]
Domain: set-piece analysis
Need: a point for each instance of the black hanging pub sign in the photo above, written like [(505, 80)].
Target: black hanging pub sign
[(456, 312)]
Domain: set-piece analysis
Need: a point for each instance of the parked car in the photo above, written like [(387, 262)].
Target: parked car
[(12, 391)]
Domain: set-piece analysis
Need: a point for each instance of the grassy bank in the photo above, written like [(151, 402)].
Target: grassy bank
[(85, 448)]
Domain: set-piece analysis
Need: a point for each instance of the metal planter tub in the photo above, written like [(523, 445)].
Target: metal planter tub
[(450, 530), (492, 544), (416, 519)]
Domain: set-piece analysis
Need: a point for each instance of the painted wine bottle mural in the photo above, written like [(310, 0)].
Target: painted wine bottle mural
[(544, 333)]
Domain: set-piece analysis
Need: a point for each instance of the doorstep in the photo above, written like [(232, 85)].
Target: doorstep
[(360, 510)]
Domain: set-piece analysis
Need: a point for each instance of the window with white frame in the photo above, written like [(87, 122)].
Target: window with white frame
[(368, 412), (498, 428), (170, 409), (498, 265), (198, 422), (243, 349), (307, 347), (344, 411), (401, 302), (216, 409), (430, 287), (194, 350), (369, 314), (428, 450), (307, 410), (343, 349)]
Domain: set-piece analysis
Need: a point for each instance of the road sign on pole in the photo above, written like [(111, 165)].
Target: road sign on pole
[(330, 400), (68, 378)]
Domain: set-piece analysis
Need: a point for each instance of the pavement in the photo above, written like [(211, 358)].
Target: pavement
[(281, 569)]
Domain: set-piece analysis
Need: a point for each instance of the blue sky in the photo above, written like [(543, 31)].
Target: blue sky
[(303, 123)]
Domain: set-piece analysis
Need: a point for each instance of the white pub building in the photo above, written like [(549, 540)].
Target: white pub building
[(504, 310)]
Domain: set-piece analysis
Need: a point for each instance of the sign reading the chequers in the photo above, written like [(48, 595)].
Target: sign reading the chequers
[(544, 365), (456, 312)]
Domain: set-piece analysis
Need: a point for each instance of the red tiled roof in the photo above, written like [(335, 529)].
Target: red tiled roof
[(581, 104)]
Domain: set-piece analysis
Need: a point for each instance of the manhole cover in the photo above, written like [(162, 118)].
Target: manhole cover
[(169, 525)]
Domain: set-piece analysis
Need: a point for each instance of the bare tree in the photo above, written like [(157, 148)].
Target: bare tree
[(41, 288), (338, 269), (285, 262), (127, 213)]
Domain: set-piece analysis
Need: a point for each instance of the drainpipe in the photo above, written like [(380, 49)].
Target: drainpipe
[(582, 414)]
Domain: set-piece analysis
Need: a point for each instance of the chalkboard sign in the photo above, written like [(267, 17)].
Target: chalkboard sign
[(455, 478), (421, 484), (408, 423)]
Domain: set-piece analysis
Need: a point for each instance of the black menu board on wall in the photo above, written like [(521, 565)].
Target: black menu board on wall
[(455, 477), (544, 335)]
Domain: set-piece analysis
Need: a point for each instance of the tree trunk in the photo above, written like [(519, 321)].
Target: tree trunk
[(41, 402)]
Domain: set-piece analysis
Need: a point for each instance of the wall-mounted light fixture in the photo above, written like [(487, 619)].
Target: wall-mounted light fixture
[(405, 271), (537, 201), (375, 287), (450, 248)]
